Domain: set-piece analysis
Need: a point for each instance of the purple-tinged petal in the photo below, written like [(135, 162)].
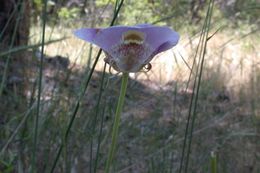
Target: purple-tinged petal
[(144, 25), (158, 36), (104, 38), (108, 37), (87, 34), (128, 49), (165, 46)]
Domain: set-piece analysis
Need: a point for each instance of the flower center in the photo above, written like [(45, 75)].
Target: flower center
[(133, 37)]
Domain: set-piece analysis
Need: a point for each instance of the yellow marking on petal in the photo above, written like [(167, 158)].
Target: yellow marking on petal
[(133, 37)]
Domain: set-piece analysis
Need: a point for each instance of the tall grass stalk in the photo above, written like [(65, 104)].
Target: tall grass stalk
[(75, 111), (36, 120), (2, 85), (194, 99), (9, 20), (26, 47), (200, 68), (93, 127), (117, 122), (82, 94), (100, 131), (20, 125)]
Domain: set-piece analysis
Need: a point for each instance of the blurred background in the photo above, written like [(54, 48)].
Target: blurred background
[(158, 102)]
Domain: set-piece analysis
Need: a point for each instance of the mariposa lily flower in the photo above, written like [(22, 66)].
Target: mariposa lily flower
[(130, 48)]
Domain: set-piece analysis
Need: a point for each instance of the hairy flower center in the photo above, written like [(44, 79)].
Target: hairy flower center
[(133, 37), (129, 57), (131, 54)]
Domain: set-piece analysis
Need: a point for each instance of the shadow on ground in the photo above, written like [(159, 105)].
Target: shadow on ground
[(152, 125)]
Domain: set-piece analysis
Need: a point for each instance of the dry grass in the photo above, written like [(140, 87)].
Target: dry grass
[(233, 54), (157, 105)]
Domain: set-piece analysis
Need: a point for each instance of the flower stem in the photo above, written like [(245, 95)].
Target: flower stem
[(117, 122)]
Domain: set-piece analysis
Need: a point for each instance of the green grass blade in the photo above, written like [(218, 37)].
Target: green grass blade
[(2, 85), (201, 48), (99, 139), (200, 68), (10, 139), (82, 94), (96, 116), (75, 111), (35, 137), (23, 48)]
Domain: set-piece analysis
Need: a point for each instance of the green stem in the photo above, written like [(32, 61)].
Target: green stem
[(213, 163), (117, 121)]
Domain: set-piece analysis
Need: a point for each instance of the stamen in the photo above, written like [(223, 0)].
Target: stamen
[(133, 37)]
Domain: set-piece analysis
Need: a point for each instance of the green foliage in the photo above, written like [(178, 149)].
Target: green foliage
[(6, 167), (153, 124), (38, 4), (66, 13), (101, 3), (139, 12), (248, 10), (160, 12)]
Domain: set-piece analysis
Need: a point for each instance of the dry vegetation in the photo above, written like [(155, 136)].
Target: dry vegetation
[(156, 110), (153, 122)]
